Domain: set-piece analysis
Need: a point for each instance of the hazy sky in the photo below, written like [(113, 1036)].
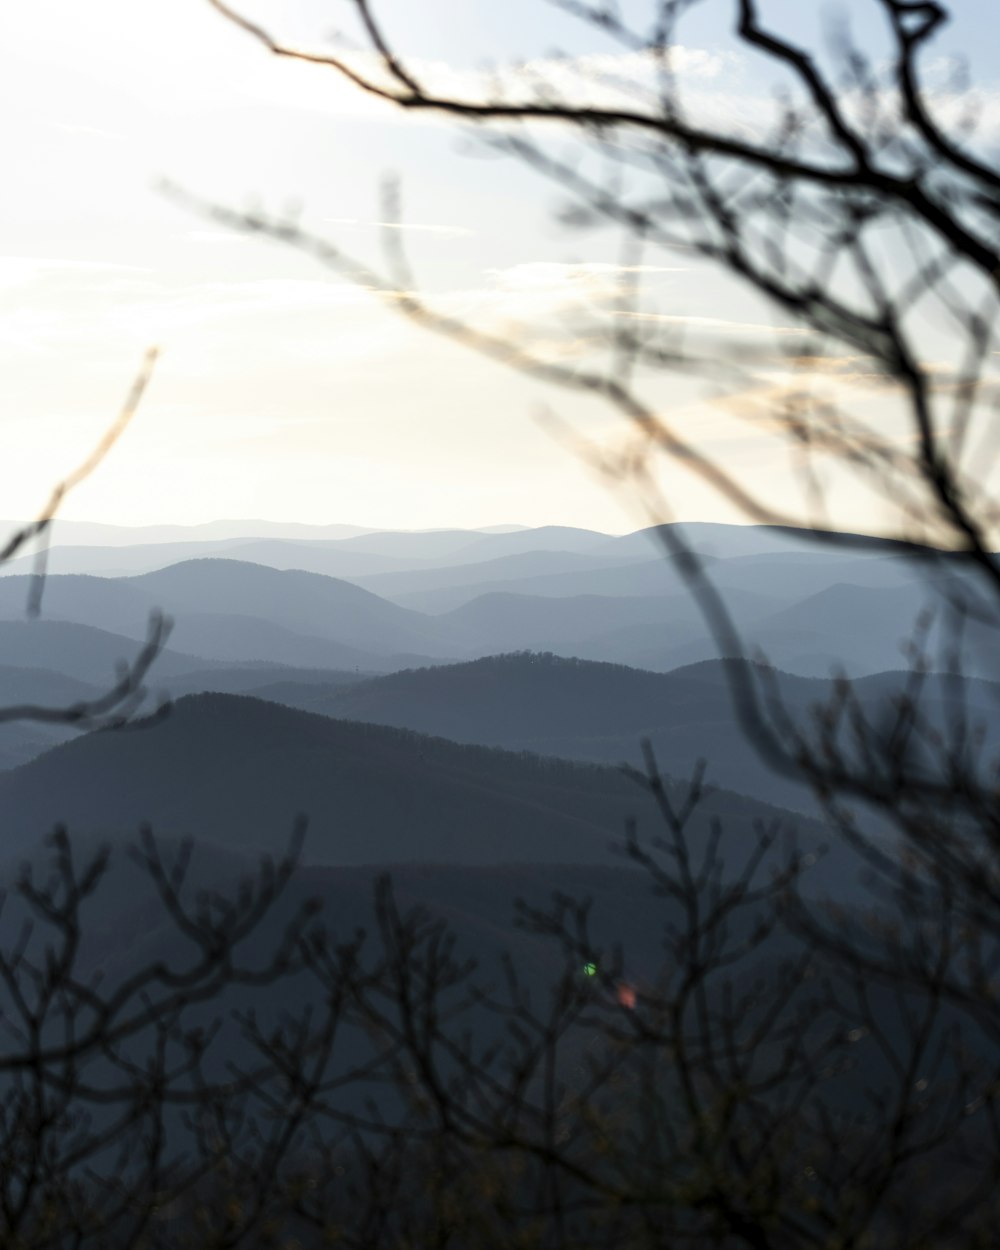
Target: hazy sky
[(284, 392)]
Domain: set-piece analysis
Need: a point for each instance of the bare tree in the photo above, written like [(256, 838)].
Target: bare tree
[(120, 1123), (760, 1091), (811, 194), (798, 1075), (865, 214), (862, 216)]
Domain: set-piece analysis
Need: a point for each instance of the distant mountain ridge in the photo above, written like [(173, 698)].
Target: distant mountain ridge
[(393, 563), (320, 610), (573, 709), (577, 709), (93, 532), (570, 591)]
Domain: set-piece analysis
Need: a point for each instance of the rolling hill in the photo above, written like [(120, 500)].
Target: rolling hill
[(248, 678), (306, 603), (573, 709), (800, 606), (246, 638), (82, 652), (600, 712), (491, 574), (236, 771), (472, 546), (229, 609), (784, 577)]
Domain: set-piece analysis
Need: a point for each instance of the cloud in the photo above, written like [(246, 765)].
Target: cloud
[(689, 62), (538, 286), (608, 78), (591, 80), (22, 271), (420, 227), (73, 128), (97, 303), (567, 300), (543, 273), (215, 236), (712, 323)]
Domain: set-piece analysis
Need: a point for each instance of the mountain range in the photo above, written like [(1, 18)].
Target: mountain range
[(482, 727), (801, 611)]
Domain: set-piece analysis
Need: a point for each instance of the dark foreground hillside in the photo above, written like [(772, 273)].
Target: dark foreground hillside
[(235, 771)]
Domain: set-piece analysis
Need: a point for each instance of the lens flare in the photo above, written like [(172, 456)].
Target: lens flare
[(626, 997)]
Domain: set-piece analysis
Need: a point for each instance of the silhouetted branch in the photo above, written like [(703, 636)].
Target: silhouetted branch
[(116, 704)]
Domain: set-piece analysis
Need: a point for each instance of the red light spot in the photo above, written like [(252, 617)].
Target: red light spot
[(626, 997)]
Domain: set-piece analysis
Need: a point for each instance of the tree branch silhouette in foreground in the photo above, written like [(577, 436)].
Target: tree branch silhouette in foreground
[(124, 697), (854, 211), (793, 1072)]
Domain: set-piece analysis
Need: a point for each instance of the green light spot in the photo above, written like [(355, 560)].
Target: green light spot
[(590, 970)]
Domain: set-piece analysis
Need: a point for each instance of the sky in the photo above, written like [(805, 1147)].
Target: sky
[(283, 391)]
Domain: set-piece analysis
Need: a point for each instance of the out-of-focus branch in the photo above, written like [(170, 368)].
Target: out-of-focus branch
[(116, 704), (403, 89), (90, 1150), (861, 217), (125, 696), (650, 423), (38, 527)]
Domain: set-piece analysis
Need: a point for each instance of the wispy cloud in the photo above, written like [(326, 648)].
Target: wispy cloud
[(545, 296), (690, 62), (602, 79), (21, 271), (97, 132), (290, 318), (215, 236), (416, 226), (544, 273), (586, 80), (711, 323)]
